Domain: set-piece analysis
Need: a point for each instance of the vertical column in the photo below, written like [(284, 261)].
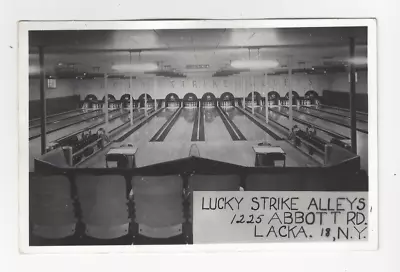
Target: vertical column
[(105, 107), (243, 86), (145, 100), (131, 102), (252, 94), (43, 111), (266, 98), (353, 116), (155, 92), (290, 92)]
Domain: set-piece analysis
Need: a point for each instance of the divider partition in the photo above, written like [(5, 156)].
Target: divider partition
[(152, 204)]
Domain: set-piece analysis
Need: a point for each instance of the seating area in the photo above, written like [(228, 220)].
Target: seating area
[(91, 207)]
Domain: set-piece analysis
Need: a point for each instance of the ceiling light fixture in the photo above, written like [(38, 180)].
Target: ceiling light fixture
[(33, 70), (254, 64), (358, 60), (136, 67)]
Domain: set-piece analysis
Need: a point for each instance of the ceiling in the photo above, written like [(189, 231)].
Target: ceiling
[(97, 51)]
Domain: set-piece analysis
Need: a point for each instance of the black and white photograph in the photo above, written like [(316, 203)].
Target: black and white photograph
[(144, 133)]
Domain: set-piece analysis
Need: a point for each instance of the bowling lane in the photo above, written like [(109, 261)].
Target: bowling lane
[(183, 127), (139, 138), (250, 130), (342, 120), (214, 128), (56, 125), (362, 138), (51, 119), (340, 111), (35, 145)]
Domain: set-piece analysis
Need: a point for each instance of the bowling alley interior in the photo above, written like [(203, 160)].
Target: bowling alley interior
[(125, 125)]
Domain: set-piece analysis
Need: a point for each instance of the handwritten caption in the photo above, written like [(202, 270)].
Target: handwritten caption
[(221, 217)]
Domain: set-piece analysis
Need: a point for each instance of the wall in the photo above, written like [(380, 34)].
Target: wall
[(340, 83), (199, 86), (62, 98), (63, 88), (338, 93), (300, 82)]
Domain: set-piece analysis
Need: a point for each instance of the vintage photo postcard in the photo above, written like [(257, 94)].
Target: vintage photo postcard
[(176, 136)]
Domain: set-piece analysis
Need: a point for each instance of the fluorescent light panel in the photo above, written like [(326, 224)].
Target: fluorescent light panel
[(136, 67), (358, 60), (254, 64)]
